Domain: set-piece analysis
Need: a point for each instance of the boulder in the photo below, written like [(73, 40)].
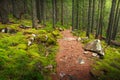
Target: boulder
[(95, 46)]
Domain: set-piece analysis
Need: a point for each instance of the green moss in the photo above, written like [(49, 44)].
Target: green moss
[(21, 62), (42, 37), (42, 32), (22, 46), (51, 41), (56, 34)]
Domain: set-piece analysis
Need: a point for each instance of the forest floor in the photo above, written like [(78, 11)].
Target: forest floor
[(72, 63)]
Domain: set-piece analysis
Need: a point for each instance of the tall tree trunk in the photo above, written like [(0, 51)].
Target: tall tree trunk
[(53, 10), (110, 24), (38, 5), (116, 21), (4, 11), (89, 20), (83, 15), (62, 22), (13, 7), (93, 12), (25, 6), (73, 11), (56, 11), (34, 15), (98, 20), (77, 15)]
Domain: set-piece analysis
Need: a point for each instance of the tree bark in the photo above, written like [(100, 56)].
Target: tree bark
[(53, 10), (116, 21), (4, 12), (34, 15), (77, 15), (62, 22), (73, 14), (89, 20), (110, 24), (93, 12)]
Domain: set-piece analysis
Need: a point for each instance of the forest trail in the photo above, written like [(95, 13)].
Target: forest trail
[(72, 64)]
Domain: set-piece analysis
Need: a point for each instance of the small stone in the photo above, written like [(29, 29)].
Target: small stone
[(94, 54), (81, 61), (61, 60), (62, 74), (49, 67), (79, 39), (34, 35), (3, 31), (29, 43), (86, 52)]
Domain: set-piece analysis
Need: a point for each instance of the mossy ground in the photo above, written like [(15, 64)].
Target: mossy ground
[(18, 61), (109, 67)]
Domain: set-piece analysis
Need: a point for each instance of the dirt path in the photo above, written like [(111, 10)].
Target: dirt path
[(72, 64)]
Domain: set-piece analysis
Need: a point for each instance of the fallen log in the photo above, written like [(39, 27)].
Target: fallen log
[(113, 42)]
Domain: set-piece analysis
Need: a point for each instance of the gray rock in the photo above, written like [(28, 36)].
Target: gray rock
[(62, 74), (86, 52), (94, 54), (95, 46), (81, 61)]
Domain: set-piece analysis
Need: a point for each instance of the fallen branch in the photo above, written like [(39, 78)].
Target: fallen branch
[(115, 43)]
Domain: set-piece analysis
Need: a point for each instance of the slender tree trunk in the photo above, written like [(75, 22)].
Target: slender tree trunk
[(62, 22), (25, 6), (38, 10), (34, 15), (93, 12), (54, 16), (110, 24), (4, 12), (56, 11), (13, 7), (73, 15), (77, 15), (98, 18), (89, 20), (116, 21), (83, 15)]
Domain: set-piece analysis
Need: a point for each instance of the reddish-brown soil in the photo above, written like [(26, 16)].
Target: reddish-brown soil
[(68, 59)]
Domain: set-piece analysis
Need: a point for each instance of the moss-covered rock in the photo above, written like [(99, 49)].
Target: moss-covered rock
[(42, 38), (42, 32), (56, 34), (51, 41)]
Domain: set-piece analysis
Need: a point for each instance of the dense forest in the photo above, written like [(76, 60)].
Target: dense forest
[(32, 31)]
